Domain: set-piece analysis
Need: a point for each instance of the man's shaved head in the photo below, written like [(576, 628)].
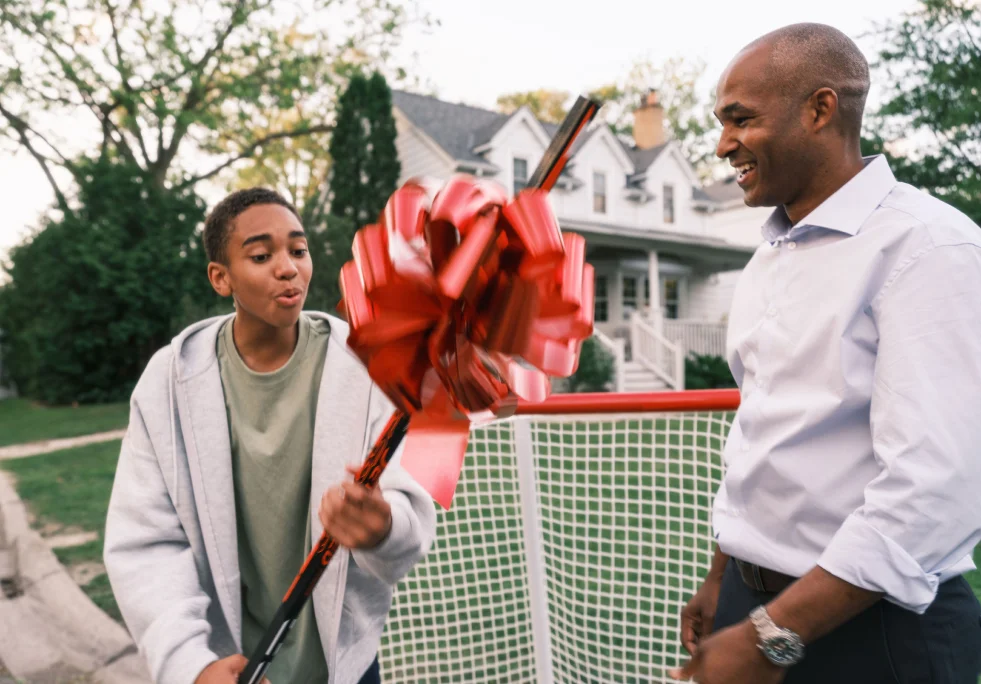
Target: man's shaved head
[(791, 105), (803, 58)]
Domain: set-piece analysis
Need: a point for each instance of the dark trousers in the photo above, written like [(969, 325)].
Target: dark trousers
[(373, 675), (883, 645)]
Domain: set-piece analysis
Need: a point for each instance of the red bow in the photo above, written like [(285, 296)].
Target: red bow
[(460, 304)]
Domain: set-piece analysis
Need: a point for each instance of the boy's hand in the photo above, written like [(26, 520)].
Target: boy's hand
[(357, 517), (225, 671)]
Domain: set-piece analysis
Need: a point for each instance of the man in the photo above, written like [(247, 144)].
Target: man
[(852, 498), (242, 441)]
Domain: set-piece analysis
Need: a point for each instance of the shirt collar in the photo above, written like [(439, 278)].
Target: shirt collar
[(847, 209)]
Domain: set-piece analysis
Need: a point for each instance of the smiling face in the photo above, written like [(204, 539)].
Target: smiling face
[(268, 267), (763, 136)]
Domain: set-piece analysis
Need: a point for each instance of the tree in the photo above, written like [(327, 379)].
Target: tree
[(329, 242), (366, 167), (687, 115), (930, 63), (364, 173), (96, 292), (547, 105), (155, 79)]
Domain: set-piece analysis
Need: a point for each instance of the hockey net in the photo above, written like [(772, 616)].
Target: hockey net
[(578, 531)]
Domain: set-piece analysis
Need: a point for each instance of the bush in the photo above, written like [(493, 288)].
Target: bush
[(95, 293), (596, 370), (704, 371)]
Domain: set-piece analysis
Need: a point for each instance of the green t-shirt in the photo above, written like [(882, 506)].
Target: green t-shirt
[(271, 418)]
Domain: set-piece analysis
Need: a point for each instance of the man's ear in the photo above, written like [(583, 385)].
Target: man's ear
[(820, 109), (218, 276)]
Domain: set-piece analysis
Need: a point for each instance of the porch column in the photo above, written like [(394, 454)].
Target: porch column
[(654, 279)]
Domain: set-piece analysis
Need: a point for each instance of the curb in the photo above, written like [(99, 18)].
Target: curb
[(49, 445), (50, 631)]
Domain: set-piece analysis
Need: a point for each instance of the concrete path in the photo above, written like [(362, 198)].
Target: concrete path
[(50, 632), (49, 445)]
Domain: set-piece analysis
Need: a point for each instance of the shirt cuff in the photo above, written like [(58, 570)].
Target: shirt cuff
[(861, 555)]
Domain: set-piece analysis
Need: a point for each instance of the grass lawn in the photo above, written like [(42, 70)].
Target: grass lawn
[(22, 420), (70, 490)]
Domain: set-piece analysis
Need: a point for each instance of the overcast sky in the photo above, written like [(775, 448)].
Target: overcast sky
[(513, 45)]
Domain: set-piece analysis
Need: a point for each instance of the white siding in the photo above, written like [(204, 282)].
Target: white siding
[(516, 139), (668, 169), (709, 297), (597, 155), (740, 224), (417, 154)]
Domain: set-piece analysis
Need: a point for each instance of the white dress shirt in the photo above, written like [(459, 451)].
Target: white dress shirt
[(855, 338)]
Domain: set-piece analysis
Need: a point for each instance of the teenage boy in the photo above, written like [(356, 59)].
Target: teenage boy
[(244, 436)]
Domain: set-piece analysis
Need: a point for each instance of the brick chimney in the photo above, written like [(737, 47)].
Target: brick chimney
[(649, 122)]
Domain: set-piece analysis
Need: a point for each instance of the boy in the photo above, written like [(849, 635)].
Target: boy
[(236, 429)]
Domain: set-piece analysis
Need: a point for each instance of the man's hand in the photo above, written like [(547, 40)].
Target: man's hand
[(699, 613), (225, 671), (357, 517), (730, 657)]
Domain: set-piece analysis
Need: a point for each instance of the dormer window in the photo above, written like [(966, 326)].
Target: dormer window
[(599, 192), (520, 174)]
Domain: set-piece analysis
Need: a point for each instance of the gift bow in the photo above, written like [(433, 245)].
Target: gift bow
[(461, 302)]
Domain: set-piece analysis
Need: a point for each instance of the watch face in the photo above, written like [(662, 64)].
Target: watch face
[(783, 651)]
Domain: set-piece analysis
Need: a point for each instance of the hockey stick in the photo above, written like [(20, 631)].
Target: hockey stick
[(546, 174)]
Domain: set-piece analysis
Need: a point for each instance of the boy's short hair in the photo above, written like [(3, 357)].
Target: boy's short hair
[(218, 224)]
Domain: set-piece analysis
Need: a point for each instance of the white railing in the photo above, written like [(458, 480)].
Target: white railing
[(655, 352), (699, 337), (571, 546), (616, 349)]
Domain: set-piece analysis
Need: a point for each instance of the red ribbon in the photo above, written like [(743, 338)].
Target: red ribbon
[(461, 302)]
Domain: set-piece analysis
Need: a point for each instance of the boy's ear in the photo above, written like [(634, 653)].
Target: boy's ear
[(218, 276)]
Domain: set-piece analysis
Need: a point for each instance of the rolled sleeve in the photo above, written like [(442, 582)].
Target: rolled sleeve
[(863, 556), (921, 515)]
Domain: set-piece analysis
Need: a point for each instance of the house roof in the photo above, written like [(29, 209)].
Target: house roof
[(642, 159), (723, 191), (457, 128)]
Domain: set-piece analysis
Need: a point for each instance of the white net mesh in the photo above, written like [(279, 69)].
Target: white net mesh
[(623, 509)]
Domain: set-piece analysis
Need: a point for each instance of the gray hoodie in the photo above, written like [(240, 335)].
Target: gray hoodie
[(171, 549)]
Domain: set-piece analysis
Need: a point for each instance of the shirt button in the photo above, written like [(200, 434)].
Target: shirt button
[(771, 312), (791, 245)]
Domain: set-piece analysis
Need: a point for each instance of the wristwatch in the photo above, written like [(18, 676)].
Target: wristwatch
[(782, 647)]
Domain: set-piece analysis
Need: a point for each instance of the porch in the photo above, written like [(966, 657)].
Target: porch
[(650, 330)]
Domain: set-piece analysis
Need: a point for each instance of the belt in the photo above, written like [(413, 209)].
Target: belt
[(762, 579)]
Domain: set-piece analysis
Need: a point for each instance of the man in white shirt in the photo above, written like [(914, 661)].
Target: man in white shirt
[(852, 498)]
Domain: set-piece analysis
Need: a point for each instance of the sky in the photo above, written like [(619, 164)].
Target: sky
[(483, 49)]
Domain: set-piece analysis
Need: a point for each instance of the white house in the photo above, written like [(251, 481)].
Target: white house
[(665, 257)]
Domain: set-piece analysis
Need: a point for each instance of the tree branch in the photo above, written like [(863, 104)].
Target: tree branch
[(22, 128), (247, 152)]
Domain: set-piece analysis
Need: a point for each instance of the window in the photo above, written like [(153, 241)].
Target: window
[(629, 296), (600, 300), (599, 192), (520, 174), (670, 302), (668, 203), (647, 291)]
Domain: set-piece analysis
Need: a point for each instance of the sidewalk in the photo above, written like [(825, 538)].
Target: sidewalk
[(49, 445), (50, 631)]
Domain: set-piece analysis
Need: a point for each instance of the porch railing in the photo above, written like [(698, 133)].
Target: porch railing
[(616, 348), (655, 352), (699, 337)]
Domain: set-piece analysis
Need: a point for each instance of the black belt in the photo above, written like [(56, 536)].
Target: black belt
[(763, 579)]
